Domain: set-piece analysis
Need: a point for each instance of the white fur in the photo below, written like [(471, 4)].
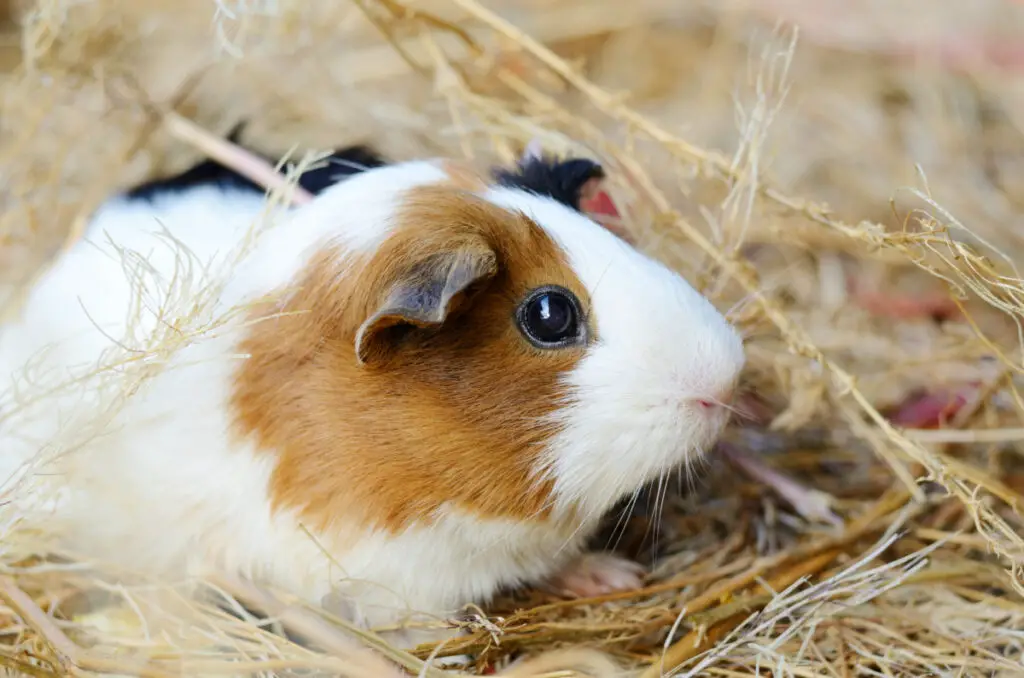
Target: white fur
[(164, 490)]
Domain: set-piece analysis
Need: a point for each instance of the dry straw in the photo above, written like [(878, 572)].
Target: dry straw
[(885, 548)]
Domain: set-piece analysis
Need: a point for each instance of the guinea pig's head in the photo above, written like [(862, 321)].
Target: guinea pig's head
[(456, 343)]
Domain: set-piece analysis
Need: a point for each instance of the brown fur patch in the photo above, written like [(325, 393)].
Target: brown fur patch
[(452, 414)]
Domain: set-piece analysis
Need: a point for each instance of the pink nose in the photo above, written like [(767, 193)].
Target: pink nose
[(718, 400)]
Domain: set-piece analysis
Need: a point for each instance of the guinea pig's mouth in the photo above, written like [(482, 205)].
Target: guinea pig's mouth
[(692, 456), (711, 428)]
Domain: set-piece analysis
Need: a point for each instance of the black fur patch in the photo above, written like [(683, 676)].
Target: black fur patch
[(559, 180), (341, 164)]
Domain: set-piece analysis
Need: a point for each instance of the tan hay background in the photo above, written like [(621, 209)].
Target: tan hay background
[(905, 117)]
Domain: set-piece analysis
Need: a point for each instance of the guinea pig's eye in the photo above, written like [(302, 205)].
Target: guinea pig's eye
[(550, 318)]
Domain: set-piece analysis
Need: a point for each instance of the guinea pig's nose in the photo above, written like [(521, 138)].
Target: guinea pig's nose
[(721, 399)]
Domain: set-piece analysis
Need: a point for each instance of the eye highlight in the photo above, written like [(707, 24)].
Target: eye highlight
[(550, 317)]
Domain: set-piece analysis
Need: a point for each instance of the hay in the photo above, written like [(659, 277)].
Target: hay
[(904, 117)]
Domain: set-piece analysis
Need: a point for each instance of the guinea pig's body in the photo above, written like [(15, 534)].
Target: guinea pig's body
[(428, 386)]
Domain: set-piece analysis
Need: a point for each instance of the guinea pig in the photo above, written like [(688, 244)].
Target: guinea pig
[(427, 384)]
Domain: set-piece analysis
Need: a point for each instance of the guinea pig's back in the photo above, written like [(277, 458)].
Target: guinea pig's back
[(134, 251), (89, 303), (164, 469)]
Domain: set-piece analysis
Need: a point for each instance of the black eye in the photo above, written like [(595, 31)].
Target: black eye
[(550, 318)]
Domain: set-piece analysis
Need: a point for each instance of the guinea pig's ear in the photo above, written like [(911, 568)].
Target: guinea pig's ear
[(424, 295)]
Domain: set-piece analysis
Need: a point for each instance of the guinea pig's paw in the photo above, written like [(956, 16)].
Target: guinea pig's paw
[(596, 574)]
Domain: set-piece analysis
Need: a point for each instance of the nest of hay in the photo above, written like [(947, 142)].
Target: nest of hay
[(860, 223)]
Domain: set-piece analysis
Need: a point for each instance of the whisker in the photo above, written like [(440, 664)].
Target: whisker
[(659, 508), (623, 521), (690, 460), (738, 412), (351, 164)]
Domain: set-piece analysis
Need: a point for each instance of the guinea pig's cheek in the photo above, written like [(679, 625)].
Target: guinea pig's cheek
[(622, 428)]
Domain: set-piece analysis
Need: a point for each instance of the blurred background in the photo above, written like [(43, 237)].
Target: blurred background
[(875, 87)]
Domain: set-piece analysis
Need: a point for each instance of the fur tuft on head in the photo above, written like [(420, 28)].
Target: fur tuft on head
[(564, 181)]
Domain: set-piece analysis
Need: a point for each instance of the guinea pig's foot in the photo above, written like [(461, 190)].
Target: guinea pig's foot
[(596, 574)]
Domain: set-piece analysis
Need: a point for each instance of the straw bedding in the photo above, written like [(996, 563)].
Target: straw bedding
[(860, 222)]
